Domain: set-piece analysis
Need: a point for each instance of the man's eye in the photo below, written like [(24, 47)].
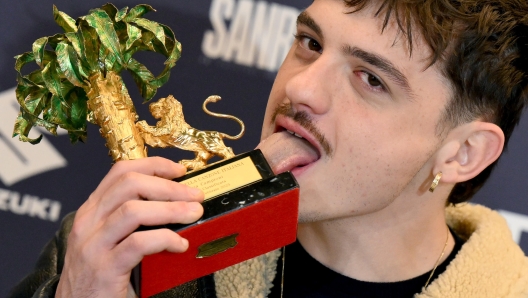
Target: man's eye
[(309, 43), (371, 80)]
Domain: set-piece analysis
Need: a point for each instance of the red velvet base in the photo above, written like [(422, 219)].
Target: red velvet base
[(262, 227)]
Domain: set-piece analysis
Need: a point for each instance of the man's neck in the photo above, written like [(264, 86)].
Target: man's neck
[(389, 245)]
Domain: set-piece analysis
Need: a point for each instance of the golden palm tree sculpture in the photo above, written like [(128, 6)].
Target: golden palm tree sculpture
[(78, 76)]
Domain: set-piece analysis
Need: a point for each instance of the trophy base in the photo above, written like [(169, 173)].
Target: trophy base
[(236, 226)]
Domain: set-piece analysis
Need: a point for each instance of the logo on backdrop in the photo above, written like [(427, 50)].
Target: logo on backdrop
[(259, 33), (29, 205), (19, 161)]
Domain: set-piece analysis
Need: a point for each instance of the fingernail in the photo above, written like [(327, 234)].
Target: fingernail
[(185, 242), (178, 169), (195, 192), (194, 206)]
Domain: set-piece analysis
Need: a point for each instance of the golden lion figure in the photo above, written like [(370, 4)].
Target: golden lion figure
[(172, 131)]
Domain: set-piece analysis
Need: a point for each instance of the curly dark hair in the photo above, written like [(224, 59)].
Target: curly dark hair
[(482, 46)]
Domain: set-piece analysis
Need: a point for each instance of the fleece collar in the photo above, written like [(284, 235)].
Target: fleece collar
[(489, 264)]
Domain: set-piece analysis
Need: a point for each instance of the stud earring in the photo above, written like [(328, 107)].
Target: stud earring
[(435, 181)]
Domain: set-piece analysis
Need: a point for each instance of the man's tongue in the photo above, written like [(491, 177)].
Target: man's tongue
[(284, 152)]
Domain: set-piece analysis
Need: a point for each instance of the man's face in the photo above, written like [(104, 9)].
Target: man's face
[(367, 112)]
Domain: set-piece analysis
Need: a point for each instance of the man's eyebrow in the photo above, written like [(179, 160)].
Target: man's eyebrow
[(305, 19), (381, 63)]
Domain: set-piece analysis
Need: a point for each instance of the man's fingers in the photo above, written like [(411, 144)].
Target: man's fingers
[(132, 249), (103, 247), (135, 186), (152, 166), (129, 216)]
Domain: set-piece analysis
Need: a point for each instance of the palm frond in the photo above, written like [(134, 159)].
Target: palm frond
[(105, 40)]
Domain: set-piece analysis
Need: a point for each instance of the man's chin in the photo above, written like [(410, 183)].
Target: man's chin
[(310, 217), (310, 214)]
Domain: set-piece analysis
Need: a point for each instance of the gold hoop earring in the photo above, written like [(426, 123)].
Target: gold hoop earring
[(435, 181)]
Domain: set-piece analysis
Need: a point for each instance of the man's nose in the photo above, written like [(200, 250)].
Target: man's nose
[(312, 87)]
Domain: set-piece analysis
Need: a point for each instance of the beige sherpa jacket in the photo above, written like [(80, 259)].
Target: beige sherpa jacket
[(490, 263)]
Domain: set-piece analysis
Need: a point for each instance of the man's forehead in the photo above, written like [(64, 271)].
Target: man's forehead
[(408, 36)]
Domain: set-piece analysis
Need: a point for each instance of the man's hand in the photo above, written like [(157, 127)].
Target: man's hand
[(103, 247)]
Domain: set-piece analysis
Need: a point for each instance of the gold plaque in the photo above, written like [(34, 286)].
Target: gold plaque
[(217, 246), (225, 178)]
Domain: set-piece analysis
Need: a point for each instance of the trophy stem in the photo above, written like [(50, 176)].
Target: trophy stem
[(112, 109)]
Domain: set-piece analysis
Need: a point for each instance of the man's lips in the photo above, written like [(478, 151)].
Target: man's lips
[(286, 123)]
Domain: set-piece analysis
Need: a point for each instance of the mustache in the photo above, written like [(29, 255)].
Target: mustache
[(304, 120)]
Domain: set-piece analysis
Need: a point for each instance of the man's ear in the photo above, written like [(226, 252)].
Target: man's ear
[(468, 150)]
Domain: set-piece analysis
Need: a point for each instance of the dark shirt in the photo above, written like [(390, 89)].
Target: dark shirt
[(306, 277)]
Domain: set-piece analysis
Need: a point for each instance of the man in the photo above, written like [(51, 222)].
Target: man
[(377, 103)]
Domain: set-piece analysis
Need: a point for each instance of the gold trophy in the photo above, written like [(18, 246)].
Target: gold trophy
[(78, 80)]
